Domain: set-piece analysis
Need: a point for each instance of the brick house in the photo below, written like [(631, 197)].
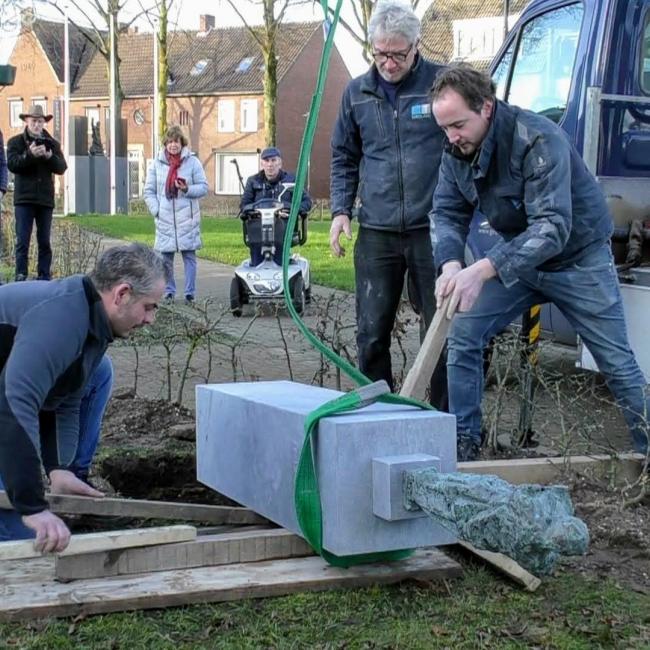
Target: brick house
[(466, 30), (214, 91)]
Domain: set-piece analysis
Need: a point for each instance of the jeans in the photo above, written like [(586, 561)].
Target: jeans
[(26, 215), (587, 293), (93, 405), (381, 260), (189, 266)]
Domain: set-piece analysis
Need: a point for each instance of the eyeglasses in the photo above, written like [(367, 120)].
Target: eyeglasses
[(397, 57)]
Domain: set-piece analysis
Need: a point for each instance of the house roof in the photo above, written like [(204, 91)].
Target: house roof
[(50, 35), (229, 59), (437, 41)]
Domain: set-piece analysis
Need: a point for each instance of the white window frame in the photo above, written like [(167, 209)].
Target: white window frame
[(40, 101), (248, 115), (226, 181), (93, 113), (15, 109), (226, 116)]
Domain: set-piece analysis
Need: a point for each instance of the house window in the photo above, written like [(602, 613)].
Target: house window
[(227, 181), (184, 118), (245, 64), (248, 115), (226, 116), (199, 67), (92, 113), (15, 109), (476, 39), (40, 101)]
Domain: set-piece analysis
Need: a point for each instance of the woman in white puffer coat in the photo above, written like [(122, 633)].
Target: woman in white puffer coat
[(175, 183)]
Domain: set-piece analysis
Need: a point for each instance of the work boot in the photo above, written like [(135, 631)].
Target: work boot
[(467, 448), (189, 300), (169, 298)]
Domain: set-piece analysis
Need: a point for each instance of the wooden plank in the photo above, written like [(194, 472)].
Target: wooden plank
[(105, 541), (625, 467), (212, 584), (419, 375), (208, 550), (141, 508), (506, 564)]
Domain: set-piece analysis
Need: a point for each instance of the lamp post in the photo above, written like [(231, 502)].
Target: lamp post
[(156, 94), (66, 107), (113, 103)]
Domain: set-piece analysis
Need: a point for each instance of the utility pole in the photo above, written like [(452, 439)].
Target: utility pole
[(114, 120), (506, 12), (66, 108), (156, 94)]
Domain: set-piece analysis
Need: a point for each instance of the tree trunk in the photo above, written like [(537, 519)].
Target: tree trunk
[(270, 93)]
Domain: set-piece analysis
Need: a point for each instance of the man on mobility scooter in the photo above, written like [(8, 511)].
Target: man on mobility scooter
[(264, 209)]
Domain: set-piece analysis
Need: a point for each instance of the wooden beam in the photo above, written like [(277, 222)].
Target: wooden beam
[(419, 375), (505, 564), (111, 540), (140, 508), (208, 550), (43, 597), (623, 467)]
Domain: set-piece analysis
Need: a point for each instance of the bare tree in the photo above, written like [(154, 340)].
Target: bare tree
[(265, 35), (99, 34)]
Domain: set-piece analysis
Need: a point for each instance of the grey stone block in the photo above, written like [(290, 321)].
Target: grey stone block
[(387, 480), (249, 437)]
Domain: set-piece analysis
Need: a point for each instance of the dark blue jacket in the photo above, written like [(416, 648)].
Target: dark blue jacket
[(4, 173), (52, 337), (533, 187), (259, 187), (389, 157)]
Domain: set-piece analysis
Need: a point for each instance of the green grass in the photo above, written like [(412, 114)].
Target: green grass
[(222, 242), (478, 611)]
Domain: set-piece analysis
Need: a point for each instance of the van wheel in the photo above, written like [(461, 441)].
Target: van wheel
[(236, 297), (298, 293)]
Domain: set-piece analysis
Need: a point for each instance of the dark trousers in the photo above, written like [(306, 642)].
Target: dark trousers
[(381, 260), (26, 216)]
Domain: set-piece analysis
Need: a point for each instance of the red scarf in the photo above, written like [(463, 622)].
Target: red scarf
[(174, 160)]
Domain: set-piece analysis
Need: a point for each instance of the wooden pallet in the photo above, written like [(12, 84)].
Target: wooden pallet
[(29, 589)]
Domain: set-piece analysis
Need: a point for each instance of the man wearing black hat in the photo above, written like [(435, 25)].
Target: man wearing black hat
[(268, 184), (33, 156)]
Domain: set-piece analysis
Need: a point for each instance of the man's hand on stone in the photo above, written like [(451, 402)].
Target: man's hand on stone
[(467, 284), (52, 535), (62, 481), (340, 224)]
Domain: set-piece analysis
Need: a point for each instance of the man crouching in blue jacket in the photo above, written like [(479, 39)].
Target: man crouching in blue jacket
[(526, 177)]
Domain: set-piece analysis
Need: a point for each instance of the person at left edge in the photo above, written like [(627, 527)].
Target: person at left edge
[(53, 336)]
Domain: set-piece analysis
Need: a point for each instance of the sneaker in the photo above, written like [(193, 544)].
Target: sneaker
[(169, 298), (189, 300), (21, 277), (467, 449)]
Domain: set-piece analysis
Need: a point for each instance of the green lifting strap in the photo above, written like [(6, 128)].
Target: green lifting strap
[(307, 495)]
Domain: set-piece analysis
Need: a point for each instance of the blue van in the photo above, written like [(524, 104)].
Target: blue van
[(586, 66)]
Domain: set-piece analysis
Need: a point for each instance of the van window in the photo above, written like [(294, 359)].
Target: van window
[(500, 74), (543, 66), (645, 61)]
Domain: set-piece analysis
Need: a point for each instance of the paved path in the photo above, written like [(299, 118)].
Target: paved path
[(271, 345)]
